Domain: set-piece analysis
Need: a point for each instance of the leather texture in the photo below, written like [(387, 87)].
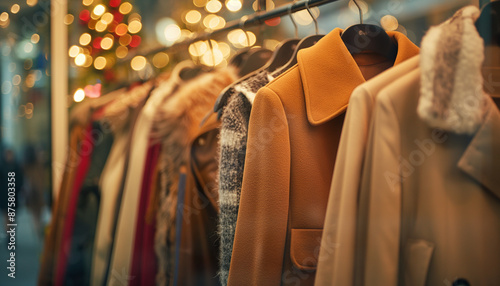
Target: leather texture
[(199, 243)]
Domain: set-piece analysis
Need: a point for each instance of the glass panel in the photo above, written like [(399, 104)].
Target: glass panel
[(25, 143)]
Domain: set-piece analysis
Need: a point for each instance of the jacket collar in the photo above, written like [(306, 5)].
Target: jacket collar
[(451, 89), (481, 159), (329, 74)]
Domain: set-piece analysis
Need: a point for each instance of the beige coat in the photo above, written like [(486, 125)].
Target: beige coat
[(428, 206), (336, 259), (432, 198)]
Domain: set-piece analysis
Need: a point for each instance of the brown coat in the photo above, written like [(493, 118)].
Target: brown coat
[(199, 243), (294, 132)]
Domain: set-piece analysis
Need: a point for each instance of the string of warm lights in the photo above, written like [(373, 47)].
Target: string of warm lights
[(108, 37)]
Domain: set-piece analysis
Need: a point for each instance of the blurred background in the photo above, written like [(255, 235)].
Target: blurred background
[(52, 61)]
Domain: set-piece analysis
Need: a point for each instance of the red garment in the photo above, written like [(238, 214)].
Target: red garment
[(144, 264), (85, 150)]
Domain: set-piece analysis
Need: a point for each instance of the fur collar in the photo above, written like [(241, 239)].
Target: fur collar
[(451, 95)]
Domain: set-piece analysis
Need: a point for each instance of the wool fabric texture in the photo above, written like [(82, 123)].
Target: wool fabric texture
[(232, 142)]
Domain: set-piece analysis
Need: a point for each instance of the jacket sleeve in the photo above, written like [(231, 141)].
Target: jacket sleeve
[(233, 139), (379, 215), (261, 229)]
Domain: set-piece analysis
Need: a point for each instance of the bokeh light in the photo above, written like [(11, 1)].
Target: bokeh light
[(74, 51), (15, 8), (172, 32), (107, 43), (121, 52), (160, 60), (193, 17), (213, 6), (35, 38), (79, 95), (138, 63), (389, 23), (200, 3), (80, 60), (233, 5), (100, 62), (85, 39), (125, 8), (99, 10), (134, 26), (68, 19)]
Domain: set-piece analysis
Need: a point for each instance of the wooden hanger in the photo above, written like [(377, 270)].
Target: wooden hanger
[(365, 37)]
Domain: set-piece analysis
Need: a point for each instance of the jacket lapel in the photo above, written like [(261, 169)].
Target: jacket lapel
[(481, 159), (329, 74)]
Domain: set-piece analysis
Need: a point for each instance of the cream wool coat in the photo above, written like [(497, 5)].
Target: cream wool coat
[(428, 205), (336, 259)]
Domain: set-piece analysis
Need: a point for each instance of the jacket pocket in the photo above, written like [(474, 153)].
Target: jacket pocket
[(304, 248), (418, 254)]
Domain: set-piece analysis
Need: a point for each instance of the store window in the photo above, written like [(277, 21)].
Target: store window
[(25, 146)]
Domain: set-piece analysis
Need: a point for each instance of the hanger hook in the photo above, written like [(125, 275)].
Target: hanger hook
[(359, 11), (212, 50), (197, 58), (293, 21), (243, 20), (312, 16)]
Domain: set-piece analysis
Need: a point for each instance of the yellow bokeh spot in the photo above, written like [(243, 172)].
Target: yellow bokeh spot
[(15, 8), (85, 39), (172, 32), (121, 52), (160, 60), (138, 63), (107, 43), (80, 60), (197, 49), (213, 6), (125, 8), (389, 23), (107, 18), (212, 57), (225, 49), (87, 2), (125, 40), (68, 19), (35, 38), (100, 62), (31, 3), (134, 26), (193, 17), (88, 61), (4, 16), (233, 5), (199, 3), (79, 95), (99, 10), (100, 26), (74, 51)]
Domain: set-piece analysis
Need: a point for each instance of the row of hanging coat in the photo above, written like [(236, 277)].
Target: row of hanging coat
[(344, 159)]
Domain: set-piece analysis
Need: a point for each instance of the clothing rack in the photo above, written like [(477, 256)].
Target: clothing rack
[(244, 23)]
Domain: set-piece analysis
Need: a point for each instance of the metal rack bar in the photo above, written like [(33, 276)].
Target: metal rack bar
[(245, 22)]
